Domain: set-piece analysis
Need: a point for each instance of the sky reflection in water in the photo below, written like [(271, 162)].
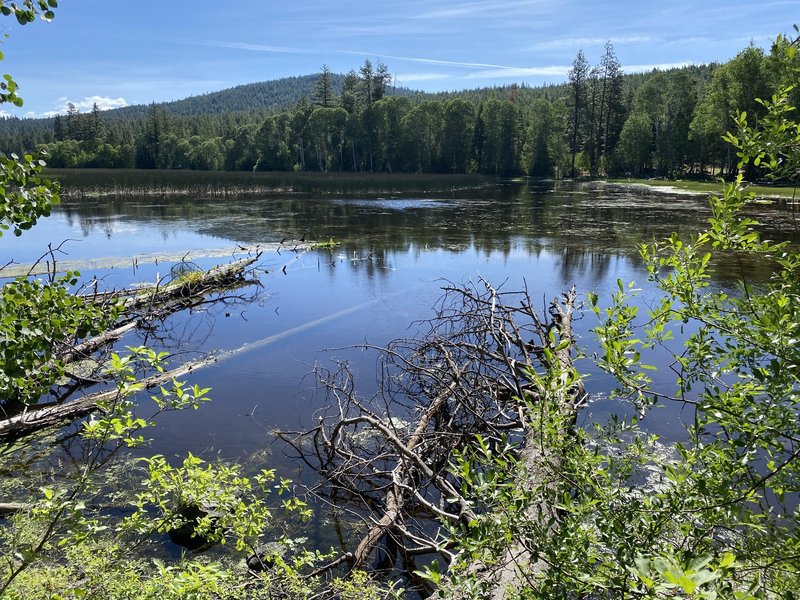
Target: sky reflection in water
[(395, 255)]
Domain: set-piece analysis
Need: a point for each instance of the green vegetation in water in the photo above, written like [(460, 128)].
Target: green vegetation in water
[(708, 187), (329, 245), (98, 183)]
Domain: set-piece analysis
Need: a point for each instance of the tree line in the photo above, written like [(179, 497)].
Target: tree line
[(600, 122)]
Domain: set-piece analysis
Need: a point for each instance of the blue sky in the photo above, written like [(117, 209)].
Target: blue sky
[(119, 52)]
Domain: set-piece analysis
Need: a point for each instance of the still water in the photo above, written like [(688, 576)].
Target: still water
[(394, 255)]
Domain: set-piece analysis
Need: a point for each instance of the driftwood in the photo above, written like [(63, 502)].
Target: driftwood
[(385, 460), (99, 341), (188, 286), (142, 306), (139, 308)]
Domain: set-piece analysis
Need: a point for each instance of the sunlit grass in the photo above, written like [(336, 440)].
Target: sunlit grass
[(711, 187)]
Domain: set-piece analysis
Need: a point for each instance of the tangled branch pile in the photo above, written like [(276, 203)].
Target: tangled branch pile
[(387, 459)]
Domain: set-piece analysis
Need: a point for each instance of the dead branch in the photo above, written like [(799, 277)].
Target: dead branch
[(91, 345), (139, 308), (182, 288)]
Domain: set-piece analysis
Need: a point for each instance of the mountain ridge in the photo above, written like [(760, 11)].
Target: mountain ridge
[(284, 93)]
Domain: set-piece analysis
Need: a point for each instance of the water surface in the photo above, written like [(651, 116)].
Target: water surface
[(394, 254)]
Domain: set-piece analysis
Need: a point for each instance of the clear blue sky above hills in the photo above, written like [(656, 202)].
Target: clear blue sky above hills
[(119, 52)]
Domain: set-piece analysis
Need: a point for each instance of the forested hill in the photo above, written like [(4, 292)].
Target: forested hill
[(263, 96), (276, 94), (526, 94), (598, 122), (282, 94)]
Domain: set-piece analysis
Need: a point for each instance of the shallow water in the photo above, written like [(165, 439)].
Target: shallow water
[(394, 255)]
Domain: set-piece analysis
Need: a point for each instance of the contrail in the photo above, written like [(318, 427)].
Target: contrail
[(276, 337)]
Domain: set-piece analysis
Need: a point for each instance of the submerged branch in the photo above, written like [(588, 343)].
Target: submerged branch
[(7, 508)]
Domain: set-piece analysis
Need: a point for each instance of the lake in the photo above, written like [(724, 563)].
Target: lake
[(396, 249)]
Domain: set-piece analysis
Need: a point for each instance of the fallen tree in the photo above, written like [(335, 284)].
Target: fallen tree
[(137, 308), (388, 460), (7, 508)]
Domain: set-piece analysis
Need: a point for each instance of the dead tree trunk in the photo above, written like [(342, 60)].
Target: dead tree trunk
[(7, 508), (540, 460), (52, 414)]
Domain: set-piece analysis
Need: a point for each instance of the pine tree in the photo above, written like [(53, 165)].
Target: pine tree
[(350, 91), (381, 81), (478, 145), (366, 91), (94, 127), (74, 125), (577, 98), (613, 113), (322, 93), (59, 132)]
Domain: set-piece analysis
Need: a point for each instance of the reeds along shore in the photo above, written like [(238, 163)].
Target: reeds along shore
[(89, 183)]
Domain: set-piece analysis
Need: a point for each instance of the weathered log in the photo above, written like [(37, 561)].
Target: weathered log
[(159, 301), (99, 341), (53, 414), (139, 308), (7, 508), (189, 286)]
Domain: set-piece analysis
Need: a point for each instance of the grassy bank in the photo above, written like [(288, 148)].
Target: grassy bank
[(708, 187)]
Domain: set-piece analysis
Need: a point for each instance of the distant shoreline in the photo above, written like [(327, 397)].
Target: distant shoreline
[(92, 183), (96, 183)]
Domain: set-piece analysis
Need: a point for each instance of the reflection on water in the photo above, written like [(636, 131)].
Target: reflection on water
[(395, 203), (393, 257)]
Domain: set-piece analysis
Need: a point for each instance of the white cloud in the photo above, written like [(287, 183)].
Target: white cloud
[(500, 8), (255, 47), (511, 72), (689, 41), (584, 42), (410, 77), (430, 61), (84, 104), (395, 28)]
